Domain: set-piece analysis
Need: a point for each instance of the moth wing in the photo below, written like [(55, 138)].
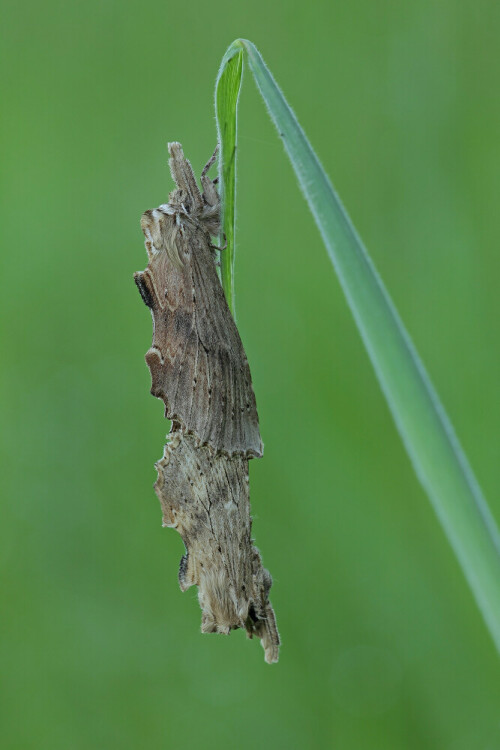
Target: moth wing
[(197, 361), (234, 425)]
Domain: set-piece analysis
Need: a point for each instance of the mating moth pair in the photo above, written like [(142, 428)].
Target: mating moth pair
[(199, 369)]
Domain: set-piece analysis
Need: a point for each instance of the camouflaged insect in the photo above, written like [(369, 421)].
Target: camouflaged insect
[(200, 371)]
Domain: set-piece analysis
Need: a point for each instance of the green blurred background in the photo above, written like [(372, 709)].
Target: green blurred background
[(383, 646)]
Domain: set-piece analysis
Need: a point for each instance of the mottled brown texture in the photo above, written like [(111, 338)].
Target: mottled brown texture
[(205, 496), (197, 361), (199, 369)]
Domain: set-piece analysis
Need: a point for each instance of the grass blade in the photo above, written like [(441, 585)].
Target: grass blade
[(227, 91), (426, 431)]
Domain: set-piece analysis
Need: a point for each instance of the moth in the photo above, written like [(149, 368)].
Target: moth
[(200, 371)]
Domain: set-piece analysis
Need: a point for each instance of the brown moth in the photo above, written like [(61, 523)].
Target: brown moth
[(199, 369), (197, 361)]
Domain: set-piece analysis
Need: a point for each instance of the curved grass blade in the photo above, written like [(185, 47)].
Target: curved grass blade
[(425, 429), (227, 91)]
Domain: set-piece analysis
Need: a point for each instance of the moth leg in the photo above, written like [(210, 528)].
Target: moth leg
[(224, 246), (210, 194), (210, 162)]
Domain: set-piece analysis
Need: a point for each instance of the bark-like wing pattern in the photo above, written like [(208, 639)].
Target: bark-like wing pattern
[(206, 498), (199, 369), (197, 361)]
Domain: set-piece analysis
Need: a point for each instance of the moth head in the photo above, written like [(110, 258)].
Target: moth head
[(180, 202)]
